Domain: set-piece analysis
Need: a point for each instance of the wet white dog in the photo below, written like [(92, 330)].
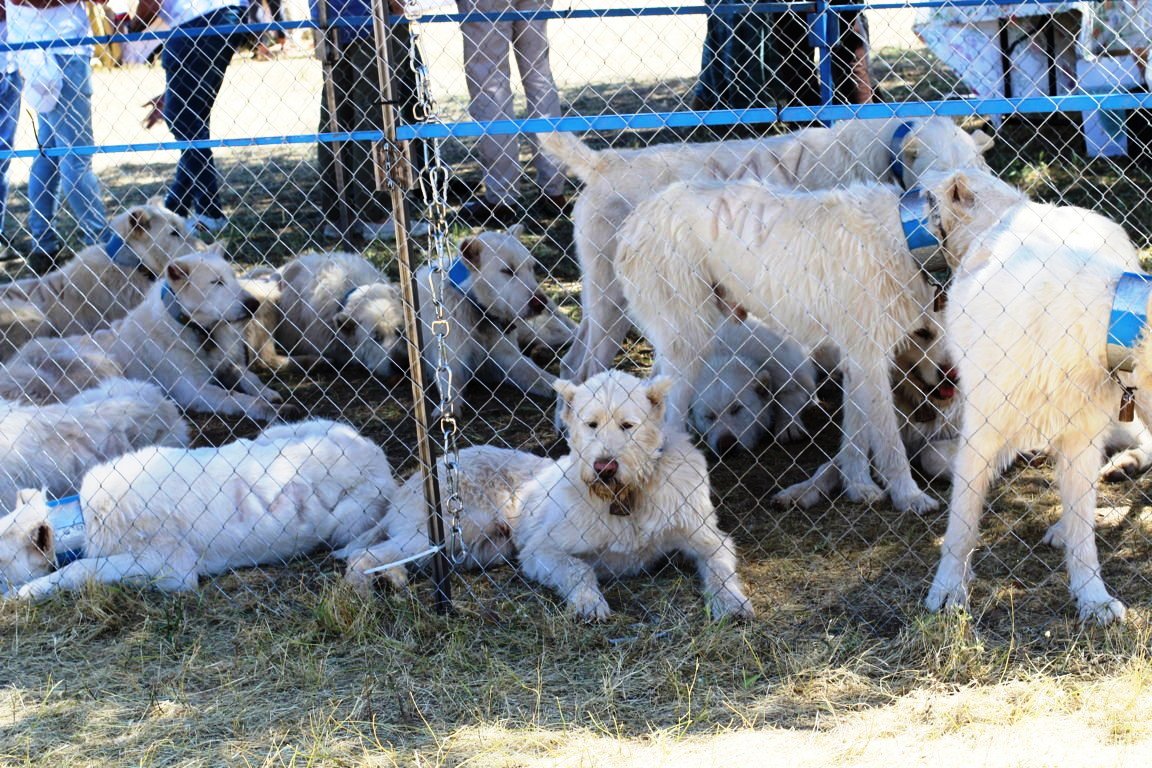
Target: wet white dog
[(187, 337), (629, 492), (101, 284), (615, 181), (52, 446), (754, 383), (166, 516), (335, 307), (491, 480), (490, 292), (1027, 319), (824, 267)]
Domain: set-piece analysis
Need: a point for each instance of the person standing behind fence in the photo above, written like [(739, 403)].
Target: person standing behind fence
[(486, 68), (356, 99), (9, 117), (194, 67), (58, 86)]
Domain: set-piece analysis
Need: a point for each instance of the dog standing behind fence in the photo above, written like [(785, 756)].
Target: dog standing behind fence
[(1028, 322), (166, 516)]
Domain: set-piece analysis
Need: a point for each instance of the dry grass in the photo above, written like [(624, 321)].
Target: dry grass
[(286, 667)]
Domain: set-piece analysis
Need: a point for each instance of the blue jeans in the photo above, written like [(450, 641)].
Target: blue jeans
[(194, 68), (67, 176), (10, 85)]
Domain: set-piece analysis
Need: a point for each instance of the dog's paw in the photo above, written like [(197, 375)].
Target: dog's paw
[(863, 492), (1101, 612), (1122, 467), (589, 605), (803, 494), (731, 604), (288, 412), (1054, 536), (918, 503), (792, 432), (950, 595)]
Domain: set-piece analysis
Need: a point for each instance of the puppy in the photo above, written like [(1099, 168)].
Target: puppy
[(166, 516), (823, 267), (490, 483), (52, 446), (490, 290), (187, 337), (754, 382), (1028, 322), (101, 284), (335, 307), (629, 493), (615, 181), (924, 388)]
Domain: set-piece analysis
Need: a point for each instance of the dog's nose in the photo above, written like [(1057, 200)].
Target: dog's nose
[(536, 305), (725, 443), (605, 469)]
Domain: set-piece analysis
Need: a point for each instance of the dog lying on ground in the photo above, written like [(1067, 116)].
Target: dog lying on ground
[(1028, 323), (754, 382), (52, 446), (809, 159), (490, 290), (490, 483), (101, 284), (823, 267), (166, 516), (335, 307), (628, 493), (187, 337)]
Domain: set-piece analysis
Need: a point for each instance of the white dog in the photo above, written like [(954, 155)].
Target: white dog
[(1027, 319), (336, 307), (101, 284), (629, 493), (187, 336), (490, 484), (822, 266), (754, 382), (809, 159), (52, 446), (490, 290), (167, 516)]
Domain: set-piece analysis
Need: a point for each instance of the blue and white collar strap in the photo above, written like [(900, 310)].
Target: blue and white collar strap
[(924, 235), (1128, 319), (119, 252), (66, 517), (459, 275), (896, 153)]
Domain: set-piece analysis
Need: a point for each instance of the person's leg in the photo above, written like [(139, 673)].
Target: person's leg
[(530, 44), (9, 118), (850, 60), (73, 128), (710, 84), (345, 74), (195, 68), (363, 101), (486, 69)]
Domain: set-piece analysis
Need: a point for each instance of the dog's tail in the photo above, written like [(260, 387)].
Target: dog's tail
[(581, 160)]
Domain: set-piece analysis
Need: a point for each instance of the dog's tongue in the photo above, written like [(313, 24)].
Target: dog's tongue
[(946, 391)]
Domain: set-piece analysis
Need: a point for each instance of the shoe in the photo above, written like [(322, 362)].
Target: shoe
[(481, 213), (387, 230), (201, 223)]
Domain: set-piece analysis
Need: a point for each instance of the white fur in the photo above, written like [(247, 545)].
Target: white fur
[(502, 281), (150, 345), (52, 446), (490, 483), (822, 266), (622, 459), (336, 307), (91, 291), (1027, 320), (809, 159), (166, 516)]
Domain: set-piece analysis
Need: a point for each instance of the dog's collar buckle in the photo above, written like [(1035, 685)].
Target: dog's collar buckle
[(66, 516), (1128, 319), (896, 150), (924, 237)]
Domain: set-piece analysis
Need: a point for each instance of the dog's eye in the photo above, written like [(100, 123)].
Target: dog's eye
[(709, 416), (735, 409), (592, 424), (174, 233), (925, 334), (507, 271), (627, 425)]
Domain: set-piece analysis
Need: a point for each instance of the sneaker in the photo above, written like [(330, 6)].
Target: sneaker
[(201, 223), (386, 230)]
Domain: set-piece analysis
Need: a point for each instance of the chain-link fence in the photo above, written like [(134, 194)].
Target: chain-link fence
[(814, 220)]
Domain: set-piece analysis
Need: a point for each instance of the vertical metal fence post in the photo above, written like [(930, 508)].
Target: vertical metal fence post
[(397, 175)]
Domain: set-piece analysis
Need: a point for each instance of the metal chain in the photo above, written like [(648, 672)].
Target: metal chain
[(433, 182)]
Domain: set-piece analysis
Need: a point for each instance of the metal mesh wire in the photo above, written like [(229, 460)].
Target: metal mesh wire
[(1060, 88)]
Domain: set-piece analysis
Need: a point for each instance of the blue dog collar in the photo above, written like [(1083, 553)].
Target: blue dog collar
[(896, 150), (119, 252), (66, 516), (920, 222), (1128, 319), (459, 275)]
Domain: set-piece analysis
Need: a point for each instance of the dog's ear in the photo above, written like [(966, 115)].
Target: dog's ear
[(138, 221), (762, 386), (958, 191), (43, 540), (216, 249), (471, 249), (344, 323), (26, 496), (657, 390), (516, 230), (176, 272), (982, 141), (565, 389)]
